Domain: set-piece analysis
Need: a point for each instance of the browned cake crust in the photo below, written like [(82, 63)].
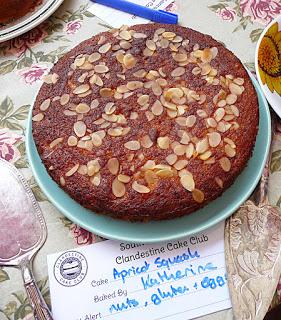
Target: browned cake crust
[(14, 9), (151, 130)]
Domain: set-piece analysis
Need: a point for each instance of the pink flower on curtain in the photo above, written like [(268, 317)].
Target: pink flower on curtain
[(82, 236), (33, 74), (261, 11), (19, 45), (8, 151), (73, 26), (227, 14)]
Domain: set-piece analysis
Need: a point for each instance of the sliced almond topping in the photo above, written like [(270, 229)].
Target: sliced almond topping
[(207, 55), (221, 103), (150, 177), (72, 141), (149, 165), (187, 182), (202, 146), (64, 99), (230, 142), (139, 35), (150, 45), (82, 108), (81, 89), (113, 165), (140, 73), (96, 79), (229, 151), (129, 61), (178, 72), (189, 150), (180, 57), (118, 188), (168, 35), (235, 110), (211, 122), (146, 142), (164, 43), (38, 117), (181, 121), (190, 121), (239, 81), (214, 139), (205, 69), (45, 105), (180, 164), (96, 179), (125, 44), (134, 115), (225, 164), (72, 170), (106, 92), (80, 128), (82, 169), (143, 99), (96, 139), (160, 31), (219, 114), (149, 115), (124, 178), (79, 61), (156, 88), (62, 181), (69, 113), (55, 142), (165, 173), (171, 159), (126, 35), (109, 108), (235, 89), (163, 142), (94, 57), (140, 188), (231, 98), (185, 139), (132, 145), (206, 155), (105, 48), (157, 108), (219, 182), (179, 149), (196, 71), (198, 195), (101, 68), (147, 52), (133, 85)]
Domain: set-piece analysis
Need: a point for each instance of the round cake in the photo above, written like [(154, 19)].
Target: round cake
[(14, 9), (146, 123)]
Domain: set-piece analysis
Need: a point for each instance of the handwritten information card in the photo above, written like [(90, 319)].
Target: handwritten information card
[(177, 280)]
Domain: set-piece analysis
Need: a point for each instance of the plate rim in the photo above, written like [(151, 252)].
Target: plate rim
[(268, 97), (32, 21), (169, 237)]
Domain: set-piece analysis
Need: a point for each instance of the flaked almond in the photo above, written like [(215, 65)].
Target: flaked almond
[(149, 165), (150, 177), (133, 85), (134, 115), (118, 188), (72, 170), (187, 182), (178, 72), (205, 69), (225, 164), (79, 61), (110, 107), (45, 105), (143, 99), (139, 35), (190, 121), (202, 146), (211, 122), (124, 34), (230, 142), (106, 92), (55, 142), (163, 142), (104, 48), (96, 139), (229, 151), (38, 117), (207, 55), (219, 182), (235, 110), (172, 159), (214, 139), (132, 145), (129, 61), (165, 173), (221, 103), (149, 115), (180, 164), (231, 98), (164, 43), (185, 139), (101, 68), (94, 57), (64, 99), (196, 71), (62, 181), (140, 73), (179, 149), (219, 114), (189, 150), (168, 35), (82, 169), (239, 81), (125, 44), (72, 141), (198, 195), (235, 89), (157, 108), (96, 79), (81, 89), (146, 142), (113, 165), (156, 88), (206, 155), (69, 113), (150, 45), (82, 108), (124, 178), (140, 188), (180, 57), (92, 170), (96, 179), (80, 128)]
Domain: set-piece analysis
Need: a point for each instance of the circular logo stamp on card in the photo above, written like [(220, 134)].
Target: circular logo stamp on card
[(70, 268)]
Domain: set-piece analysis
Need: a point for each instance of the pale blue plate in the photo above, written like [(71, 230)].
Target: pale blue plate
[(200, 220)]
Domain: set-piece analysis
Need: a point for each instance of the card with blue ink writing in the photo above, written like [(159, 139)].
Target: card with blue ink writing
[(177, 280)]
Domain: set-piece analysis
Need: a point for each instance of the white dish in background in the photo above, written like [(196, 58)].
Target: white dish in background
[(30, 20), (270, 36)]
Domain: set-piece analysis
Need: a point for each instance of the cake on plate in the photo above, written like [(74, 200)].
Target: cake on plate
[(146, 123), (14, 9)]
